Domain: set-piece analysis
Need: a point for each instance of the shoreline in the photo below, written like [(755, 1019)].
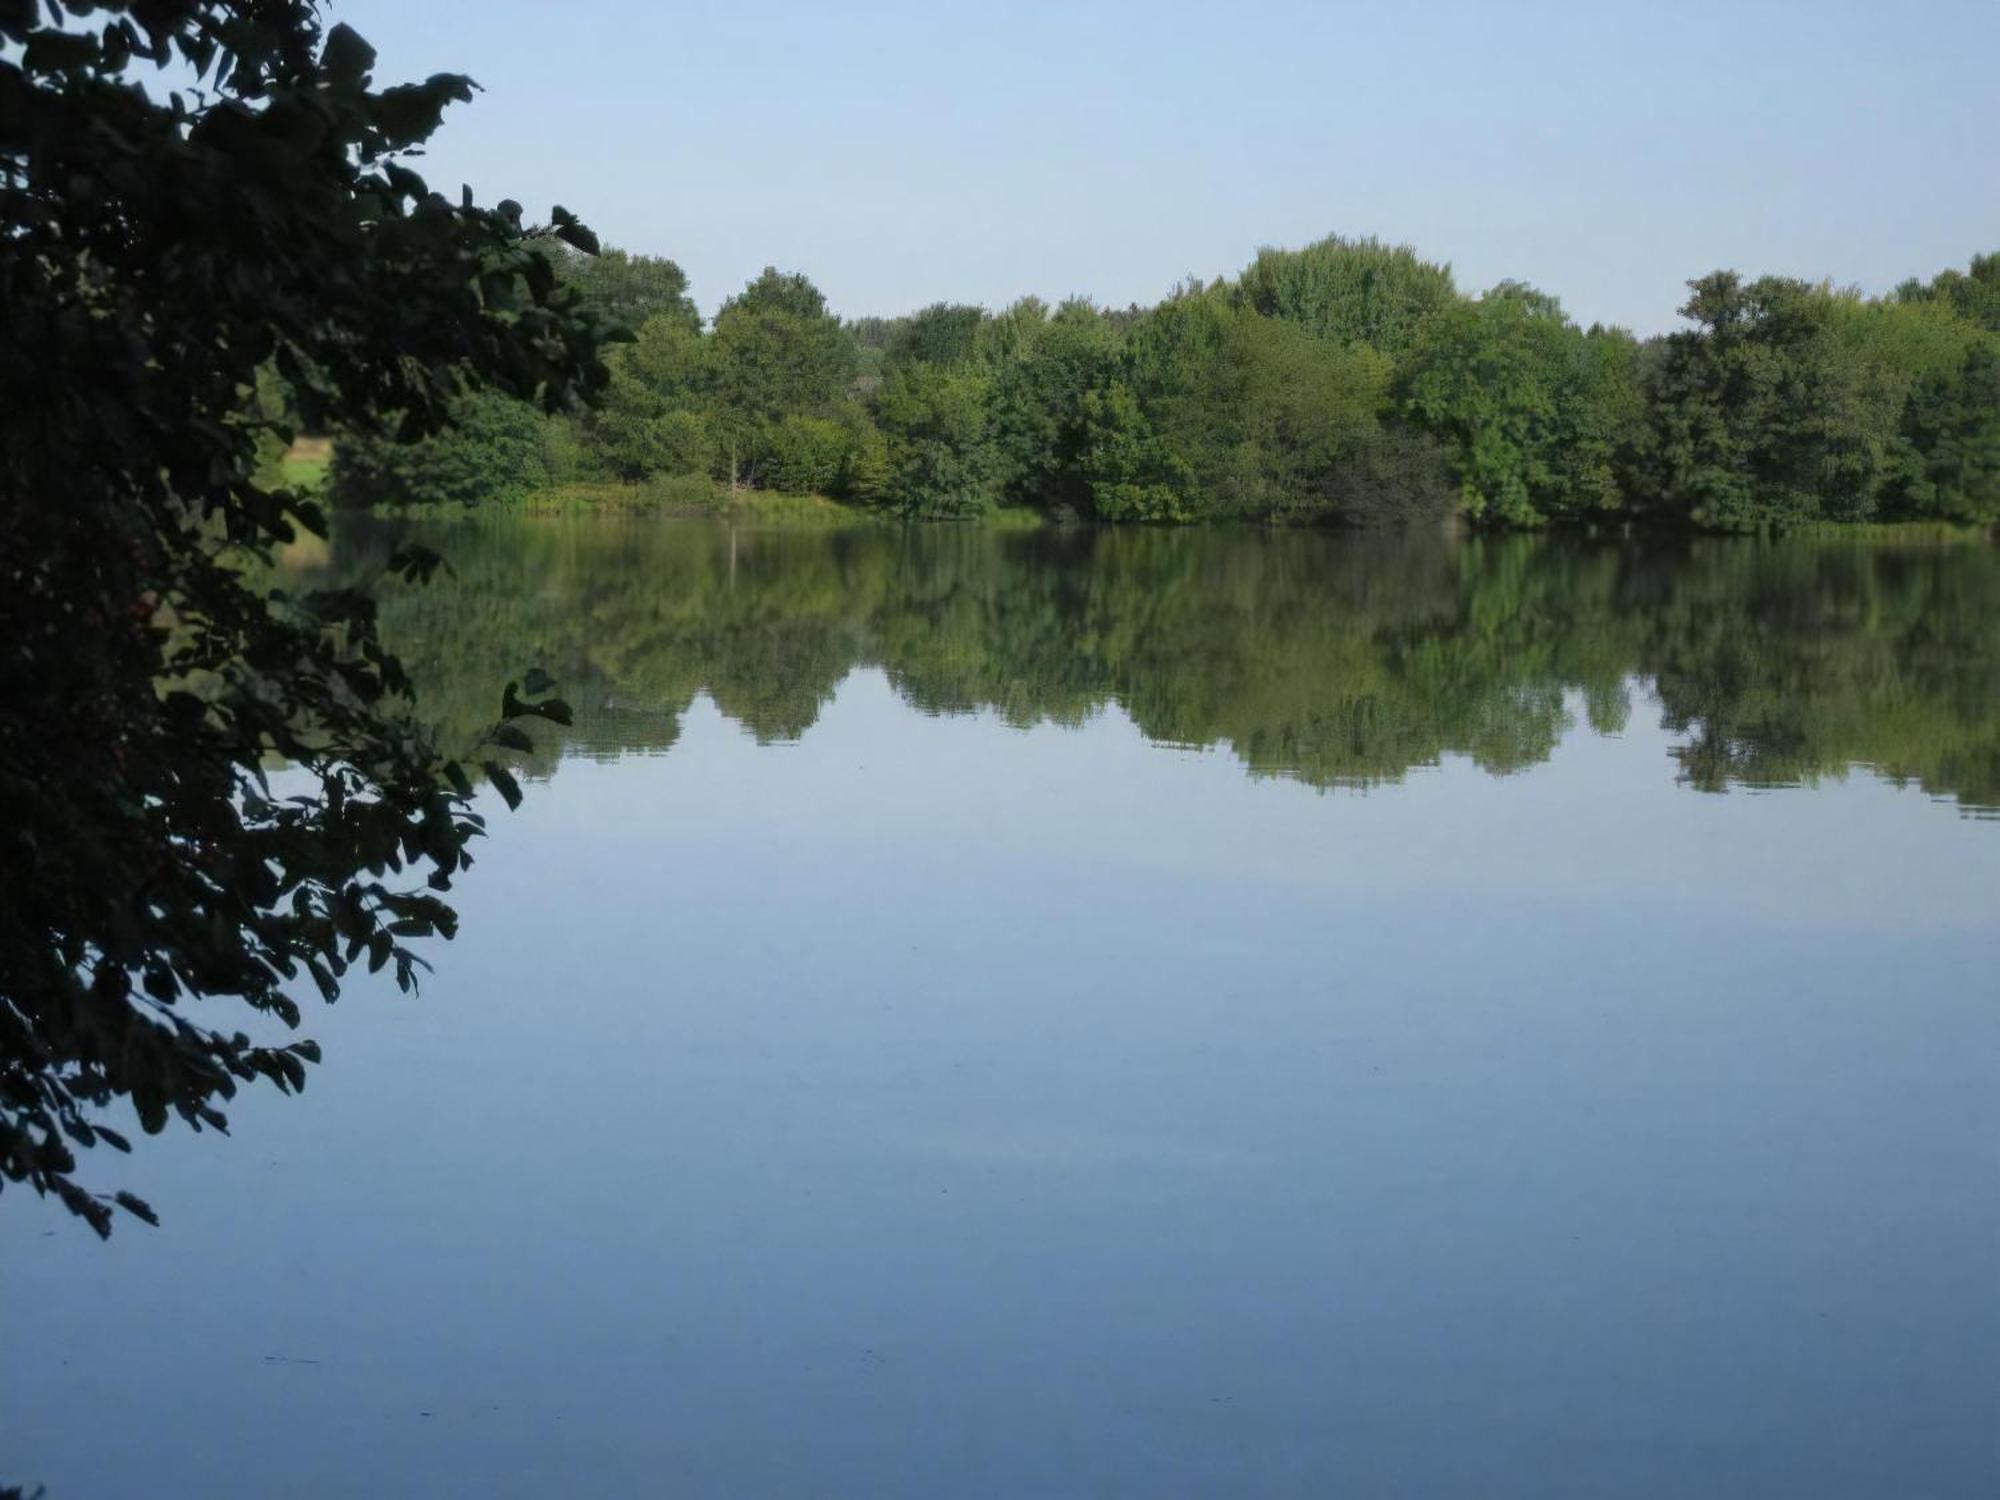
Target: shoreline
[(694, 497), (777, 510)]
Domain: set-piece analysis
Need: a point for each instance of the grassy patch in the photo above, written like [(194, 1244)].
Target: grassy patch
[(1016, 518), (698, 495), (693, 495), (769, 508), (686, 494), (1891, 531), (305, 463)]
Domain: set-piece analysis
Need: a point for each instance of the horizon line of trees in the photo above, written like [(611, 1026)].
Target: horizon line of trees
[(1346, 382)]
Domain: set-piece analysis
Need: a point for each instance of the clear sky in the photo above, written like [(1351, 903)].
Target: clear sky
[(905, 153)]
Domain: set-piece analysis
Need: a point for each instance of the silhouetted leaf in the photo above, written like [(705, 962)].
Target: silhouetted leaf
[(346, 57), (501, 777), (512, 736)]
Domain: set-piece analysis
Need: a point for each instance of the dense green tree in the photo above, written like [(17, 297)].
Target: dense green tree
[(1974, 293), (624, 289), (1047, 369), (1530, 407), (192, 192), (1346, 382), (1256, 412), (1350, 291), (493, 451), (945, 333), (937, 442), (810, 455), (1769, 412), (652, 417), (776, 352), (872, 337), (1947, 464), (1131, 473)]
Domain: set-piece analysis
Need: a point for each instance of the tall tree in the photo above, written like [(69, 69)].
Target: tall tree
[(1771, 410), (776, 352), (1973, 293), (1350, 291), (1529, 406), (622, 288), (945, 333), (193, 192)]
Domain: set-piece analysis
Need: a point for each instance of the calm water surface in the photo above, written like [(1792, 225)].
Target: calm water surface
[(1123, 1015)]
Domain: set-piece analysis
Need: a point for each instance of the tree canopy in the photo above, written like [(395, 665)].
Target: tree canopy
[(1347, 382)]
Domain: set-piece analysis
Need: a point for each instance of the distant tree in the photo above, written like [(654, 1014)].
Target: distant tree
[(938, 451), (492, 452), (1772, 410), (1530, 408), (1131, 474), (653, 416), (1046, 368), (873, 333), (872, 337), (624, 289), (773, 291), (945, 333), (775, 352), (866, 476), (1947, 463), (1253, 411), (1974, 293), (192, 192), (1350, 291), (809, 455), (1395, 477)]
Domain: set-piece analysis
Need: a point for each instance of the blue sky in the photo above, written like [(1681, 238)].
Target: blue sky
[(903, 153)]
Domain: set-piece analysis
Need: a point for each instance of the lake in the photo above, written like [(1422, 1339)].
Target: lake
[(1121, 1014)]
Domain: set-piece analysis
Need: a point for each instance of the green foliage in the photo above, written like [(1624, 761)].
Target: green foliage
[(809, 455), (1775, 410), (868, 474), (652, 417), (937, 445), (1257, 414), (1947, 463), (626, 291), (272, 414), (1343, 383), (1530, 407), (159, 252), (495, 450), (776, 352), (1973, 294), (945, 333), (639, 446), (1046, 373), (566, 455), (1350, 291), (1395, 477), (1133, 475)]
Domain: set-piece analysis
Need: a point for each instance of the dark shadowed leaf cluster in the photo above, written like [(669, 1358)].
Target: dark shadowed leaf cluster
[(211, 789)]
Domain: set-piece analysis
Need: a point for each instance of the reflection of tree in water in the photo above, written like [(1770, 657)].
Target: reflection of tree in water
[(1338, 660)]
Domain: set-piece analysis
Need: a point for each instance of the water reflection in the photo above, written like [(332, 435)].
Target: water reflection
[(1341, 661), (938, 1109)]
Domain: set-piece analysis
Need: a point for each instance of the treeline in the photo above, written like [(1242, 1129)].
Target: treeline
[(1347, 382), (1334, 660)]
